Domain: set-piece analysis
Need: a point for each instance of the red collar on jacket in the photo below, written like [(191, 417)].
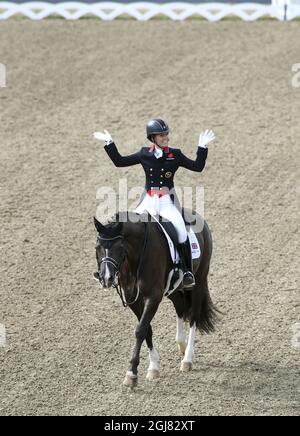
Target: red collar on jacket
[(152, 148)]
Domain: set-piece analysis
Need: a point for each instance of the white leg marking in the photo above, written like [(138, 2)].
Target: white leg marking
[(131, 375), (154, 359), (189, 354), (186, 364), (181, 336), (180, 333), (153, 370)]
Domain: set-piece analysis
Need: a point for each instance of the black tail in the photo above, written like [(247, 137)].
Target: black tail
[(203, 312)]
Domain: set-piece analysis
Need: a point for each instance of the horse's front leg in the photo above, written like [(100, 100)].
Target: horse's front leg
[(150, 309), (153, 370)]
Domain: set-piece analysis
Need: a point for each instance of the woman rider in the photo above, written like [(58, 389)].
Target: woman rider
[(160, 164)]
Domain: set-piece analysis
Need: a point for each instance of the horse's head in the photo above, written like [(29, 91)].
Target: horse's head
[(110, 253)]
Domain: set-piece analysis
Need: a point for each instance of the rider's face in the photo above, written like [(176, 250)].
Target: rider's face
[(162, 140)]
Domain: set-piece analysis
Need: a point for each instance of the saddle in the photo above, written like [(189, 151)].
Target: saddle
[(170, 233)]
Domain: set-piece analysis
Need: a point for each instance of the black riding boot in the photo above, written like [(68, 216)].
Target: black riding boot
[(187, 264)]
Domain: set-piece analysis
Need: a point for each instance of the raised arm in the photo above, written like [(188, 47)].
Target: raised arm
[(122, 161), (112, 151), (198, 164)]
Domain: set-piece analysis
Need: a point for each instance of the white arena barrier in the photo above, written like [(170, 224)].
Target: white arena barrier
[(143, 11), (287, 9)]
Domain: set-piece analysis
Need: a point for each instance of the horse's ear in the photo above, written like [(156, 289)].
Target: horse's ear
[(99, 227)]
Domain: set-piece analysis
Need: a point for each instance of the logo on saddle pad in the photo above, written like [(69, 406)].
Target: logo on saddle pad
[(169, 174)]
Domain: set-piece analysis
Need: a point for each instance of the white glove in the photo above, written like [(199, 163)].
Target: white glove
[(205, 138), (103, 137)]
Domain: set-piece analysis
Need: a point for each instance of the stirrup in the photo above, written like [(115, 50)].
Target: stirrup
[(188, 280)]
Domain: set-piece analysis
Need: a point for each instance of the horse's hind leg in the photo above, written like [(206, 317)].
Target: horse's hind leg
[(187, 362), (179, 303), (203, 317), (180, 335)]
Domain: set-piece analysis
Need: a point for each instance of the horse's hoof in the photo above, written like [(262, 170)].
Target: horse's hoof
[(182, 347), (96, 276), (186, 366), (131, 380), (152, 374)]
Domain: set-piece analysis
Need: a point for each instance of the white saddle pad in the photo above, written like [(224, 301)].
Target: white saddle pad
[(195, 247)]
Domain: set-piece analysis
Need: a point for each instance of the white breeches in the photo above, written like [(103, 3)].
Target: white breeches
[(166, 209)]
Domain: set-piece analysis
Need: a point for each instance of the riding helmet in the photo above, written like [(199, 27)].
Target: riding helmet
[(156, 127)]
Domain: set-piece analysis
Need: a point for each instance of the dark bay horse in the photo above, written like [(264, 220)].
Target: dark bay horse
[(132, 252)]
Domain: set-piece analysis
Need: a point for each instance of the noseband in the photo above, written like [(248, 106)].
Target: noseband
[(110, 260)]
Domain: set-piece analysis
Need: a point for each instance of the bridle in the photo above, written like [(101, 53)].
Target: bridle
[(110, 260), (118, 266)]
